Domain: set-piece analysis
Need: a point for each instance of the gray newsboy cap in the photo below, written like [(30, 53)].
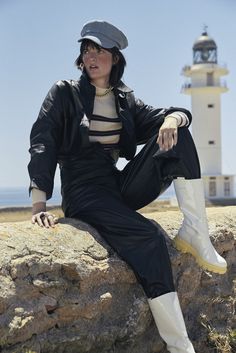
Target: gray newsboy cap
[(104, 34)]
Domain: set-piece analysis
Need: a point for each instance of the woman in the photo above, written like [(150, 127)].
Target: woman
[(85, 126)]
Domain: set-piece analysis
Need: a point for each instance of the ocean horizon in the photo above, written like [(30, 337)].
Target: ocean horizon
[(19, 197)]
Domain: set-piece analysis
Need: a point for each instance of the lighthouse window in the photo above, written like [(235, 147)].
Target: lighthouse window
[(209, 79), (211, 142), (210, 105), (227, 188), (212, 188)]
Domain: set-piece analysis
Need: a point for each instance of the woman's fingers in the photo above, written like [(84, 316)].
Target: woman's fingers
[(52, 219), (168, 133), (167, 138), (45, 222), (38, 219), (44, 219), (175, 137)]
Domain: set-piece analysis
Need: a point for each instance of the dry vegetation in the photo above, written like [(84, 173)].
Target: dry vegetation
[(223, 343), (17, 214)]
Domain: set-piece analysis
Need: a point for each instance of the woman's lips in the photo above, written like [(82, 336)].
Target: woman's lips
[(93, 67)]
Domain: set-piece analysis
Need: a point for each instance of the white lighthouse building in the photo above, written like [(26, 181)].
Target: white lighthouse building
[(205, 86)]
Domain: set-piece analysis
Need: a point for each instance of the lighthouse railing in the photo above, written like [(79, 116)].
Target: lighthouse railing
[(221, 83)]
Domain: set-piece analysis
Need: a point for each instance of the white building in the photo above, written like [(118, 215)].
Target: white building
[(205, 87)]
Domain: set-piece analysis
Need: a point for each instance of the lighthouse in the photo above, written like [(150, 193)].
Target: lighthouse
[(205, 85)]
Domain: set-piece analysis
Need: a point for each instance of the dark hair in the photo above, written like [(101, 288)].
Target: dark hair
[(117, 69)]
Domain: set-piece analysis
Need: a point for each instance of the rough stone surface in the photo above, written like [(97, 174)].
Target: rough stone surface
[(64, 290)]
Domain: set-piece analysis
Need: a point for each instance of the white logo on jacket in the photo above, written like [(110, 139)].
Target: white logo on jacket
[(85, 121)]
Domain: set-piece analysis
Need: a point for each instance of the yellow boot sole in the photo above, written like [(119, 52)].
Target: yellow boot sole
[(185, 247)]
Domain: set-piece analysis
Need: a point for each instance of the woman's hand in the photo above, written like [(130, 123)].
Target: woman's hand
[(41, 217), (44, 219), (168, 133)]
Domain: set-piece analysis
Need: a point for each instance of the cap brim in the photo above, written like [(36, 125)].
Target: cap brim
[(105, 43)]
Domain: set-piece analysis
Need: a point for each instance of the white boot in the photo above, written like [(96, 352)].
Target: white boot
[(193, 236), (168, 317)]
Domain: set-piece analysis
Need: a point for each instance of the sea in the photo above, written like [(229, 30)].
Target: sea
[(19, 197)]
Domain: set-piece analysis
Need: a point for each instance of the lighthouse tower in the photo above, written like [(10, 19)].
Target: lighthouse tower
[(205, 86)]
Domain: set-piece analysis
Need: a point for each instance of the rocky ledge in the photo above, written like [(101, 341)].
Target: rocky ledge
[(63, 290)]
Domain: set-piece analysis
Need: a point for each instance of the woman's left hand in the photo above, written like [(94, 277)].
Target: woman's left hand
[(168, 134)]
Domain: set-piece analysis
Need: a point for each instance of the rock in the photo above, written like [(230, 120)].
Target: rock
[(64, 290)]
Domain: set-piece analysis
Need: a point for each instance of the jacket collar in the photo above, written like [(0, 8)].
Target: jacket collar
[(85, 84), (123, 88)]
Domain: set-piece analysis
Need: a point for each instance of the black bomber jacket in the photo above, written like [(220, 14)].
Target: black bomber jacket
[(58, 132)]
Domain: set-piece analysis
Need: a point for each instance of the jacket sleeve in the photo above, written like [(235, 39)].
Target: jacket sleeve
[(45, 140), (148, 119)]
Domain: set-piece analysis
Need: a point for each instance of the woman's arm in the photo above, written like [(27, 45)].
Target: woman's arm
[(45, 141), (39, 214), (149, 120)]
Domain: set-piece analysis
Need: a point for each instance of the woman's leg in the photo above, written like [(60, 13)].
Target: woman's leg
[(146, 176), (152, 171), (136, 239), (141, 181), (142, 245), (193, 236), (169, 320)]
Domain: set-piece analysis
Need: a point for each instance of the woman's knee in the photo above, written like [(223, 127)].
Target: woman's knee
[(185, 141), (156, 237), (187, 152)]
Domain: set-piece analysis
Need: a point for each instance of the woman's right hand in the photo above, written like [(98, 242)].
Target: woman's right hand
[(41, 217), (168, 133)]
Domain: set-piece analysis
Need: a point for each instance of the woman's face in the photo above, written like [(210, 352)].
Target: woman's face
[(98, 64)]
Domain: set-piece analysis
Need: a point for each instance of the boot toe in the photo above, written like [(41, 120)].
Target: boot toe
[(206, 257), (219, 268)]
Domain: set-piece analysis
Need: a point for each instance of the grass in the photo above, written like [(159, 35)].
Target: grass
[(223, 343)]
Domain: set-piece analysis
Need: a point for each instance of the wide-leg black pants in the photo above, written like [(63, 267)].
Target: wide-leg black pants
[(96, 192)]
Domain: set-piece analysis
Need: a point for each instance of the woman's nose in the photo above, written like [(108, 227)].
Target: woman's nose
[(93, 56)]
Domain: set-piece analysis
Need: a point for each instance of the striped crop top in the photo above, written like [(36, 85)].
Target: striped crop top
[(105, 125)]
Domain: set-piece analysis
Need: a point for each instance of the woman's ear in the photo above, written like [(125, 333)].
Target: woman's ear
[(81, 65), (115, 59)]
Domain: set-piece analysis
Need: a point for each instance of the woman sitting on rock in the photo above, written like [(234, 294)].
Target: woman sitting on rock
[(85, 126)]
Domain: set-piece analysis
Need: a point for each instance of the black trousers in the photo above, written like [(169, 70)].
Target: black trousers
[(96, 192)]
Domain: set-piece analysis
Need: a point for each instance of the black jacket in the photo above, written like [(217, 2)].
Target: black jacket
[(59, 132)]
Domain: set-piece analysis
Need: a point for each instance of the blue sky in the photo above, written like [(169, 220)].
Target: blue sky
[(38, 42)]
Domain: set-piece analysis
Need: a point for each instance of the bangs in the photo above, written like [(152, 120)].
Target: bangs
[(87, 43)]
